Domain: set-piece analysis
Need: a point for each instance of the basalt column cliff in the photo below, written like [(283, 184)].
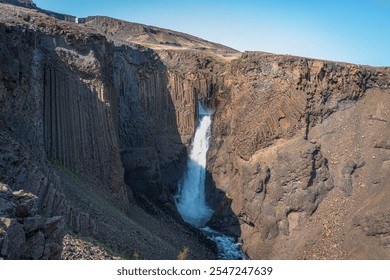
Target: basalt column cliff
[(298, 164), (80, 116)]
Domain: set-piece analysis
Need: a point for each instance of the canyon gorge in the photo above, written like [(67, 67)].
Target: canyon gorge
[(97, 119)]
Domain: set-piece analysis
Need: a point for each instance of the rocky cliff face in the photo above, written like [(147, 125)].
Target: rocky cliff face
[(189, 71), (23, 233), (145, 110), (297, 168), (286, 145), (280, 149), (62, 124), (154, 37), (168, 90), (46, 117), (31, 5), (79, 116), (22, 3)]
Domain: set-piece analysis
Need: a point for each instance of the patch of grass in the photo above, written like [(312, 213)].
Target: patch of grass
[(261, 243), (183, 255), (363, 99), (279, 210), (67, 171), (135, 255)]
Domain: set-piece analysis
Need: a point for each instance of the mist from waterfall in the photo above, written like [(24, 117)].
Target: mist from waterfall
[(191, 201)]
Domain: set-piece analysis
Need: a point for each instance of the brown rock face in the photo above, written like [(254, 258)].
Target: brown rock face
[(290, 135), (286, 145), (154, 37), (298, 165)]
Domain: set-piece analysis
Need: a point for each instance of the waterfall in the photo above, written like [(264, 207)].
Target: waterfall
[(191, 201)]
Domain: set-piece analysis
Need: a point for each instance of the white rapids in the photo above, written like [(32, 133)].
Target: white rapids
[(228, 248)]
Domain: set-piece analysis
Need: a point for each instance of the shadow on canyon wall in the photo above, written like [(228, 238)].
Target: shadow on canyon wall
[(152, 152), (223, 219), (156, 160), (79, 116)]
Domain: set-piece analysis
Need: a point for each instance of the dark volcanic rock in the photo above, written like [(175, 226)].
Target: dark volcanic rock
[(376, 224), (383, 145), (346, 172), (29, 4), (72, 106), (271, 169), (22, 3), (299, 146), (23, 233)]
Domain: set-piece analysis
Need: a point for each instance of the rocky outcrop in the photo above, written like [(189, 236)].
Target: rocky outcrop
[(24, 234), (308, 92), (268, 154), (75, 248), (25, 168), (22, 3), (148, 138), (154, 37), (196, 80), (79, 116), (297, 168), (29, 4), (61, 124), (272, 172)]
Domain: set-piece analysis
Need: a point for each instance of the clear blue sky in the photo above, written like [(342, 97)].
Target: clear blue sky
[(356, 31)]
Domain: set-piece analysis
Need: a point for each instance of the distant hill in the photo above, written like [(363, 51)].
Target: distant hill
[(22, 3), (151, 36), (31, 5)]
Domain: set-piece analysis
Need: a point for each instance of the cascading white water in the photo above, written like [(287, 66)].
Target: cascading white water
[(191, 201)]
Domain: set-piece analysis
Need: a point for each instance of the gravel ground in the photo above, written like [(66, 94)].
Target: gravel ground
[(75, 248)]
